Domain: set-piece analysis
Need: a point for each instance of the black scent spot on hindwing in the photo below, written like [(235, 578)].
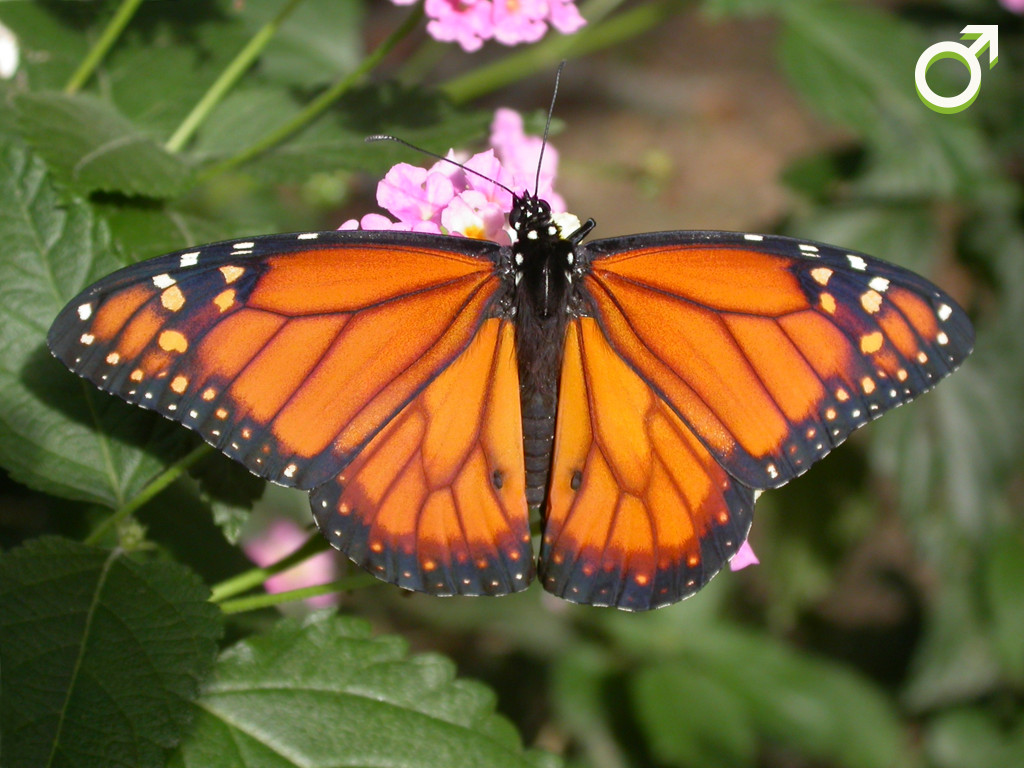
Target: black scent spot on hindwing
[(498, 479), (577, 480)]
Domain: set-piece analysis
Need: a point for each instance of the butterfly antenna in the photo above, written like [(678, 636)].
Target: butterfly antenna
[(456, 163), (547, 128)]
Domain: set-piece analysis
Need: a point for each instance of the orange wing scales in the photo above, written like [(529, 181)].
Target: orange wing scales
[(639, 513), (436, 502), (287, 376), (773, 360)]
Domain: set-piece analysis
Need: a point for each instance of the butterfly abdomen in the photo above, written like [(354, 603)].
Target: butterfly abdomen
[(538, 437), (539, 343)]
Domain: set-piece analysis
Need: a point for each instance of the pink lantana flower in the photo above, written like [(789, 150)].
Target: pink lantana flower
[(744, 557), (280, 539), (470, 22), (519, 21), (447, 199)]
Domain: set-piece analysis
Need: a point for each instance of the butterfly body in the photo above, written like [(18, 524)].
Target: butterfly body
[(428, 390), (542, 300)]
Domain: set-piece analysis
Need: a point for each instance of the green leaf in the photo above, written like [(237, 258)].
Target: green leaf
[(230, 490), (691, 719), (58, 433), (91, 147), (855, 65), (168, 58), (1004, 582), (579, 691), (954, 661), (51, 45), (338, 139), (147, 228), (101, 654), (320, 41), (947, 452), (814, 706), (245, 115), (323, 692), (968, 738)]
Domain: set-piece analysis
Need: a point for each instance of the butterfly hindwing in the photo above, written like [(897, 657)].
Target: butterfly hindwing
[(639, 513), (772, 350), (436, 502), (287, 352)]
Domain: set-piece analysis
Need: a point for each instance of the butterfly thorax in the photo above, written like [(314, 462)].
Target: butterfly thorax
[(543, 265)]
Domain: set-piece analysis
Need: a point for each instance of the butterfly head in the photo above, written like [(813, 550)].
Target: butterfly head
[(531, 218)]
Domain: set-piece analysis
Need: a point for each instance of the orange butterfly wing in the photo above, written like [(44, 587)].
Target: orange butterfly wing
[(301, 355), (639, 513), (715, 364), (288, 354), (773, 350), (437, 501)]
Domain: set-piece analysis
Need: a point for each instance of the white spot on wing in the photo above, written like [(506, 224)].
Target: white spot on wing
[(248, 244), (807, 248), (856, 262), (755, 238), (880, 284), (87, 338), (163, 281), (84, 311), (942, 338), (189, 259), (944, 312), (308, 236)]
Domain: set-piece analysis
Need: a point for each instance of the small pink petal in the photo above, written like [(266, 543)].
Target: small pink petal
[(467, 22), (472, 215), (411, 194), (519, 21), (377, 221), (280, 539), (565, 17), (490, 178), (744, 557)]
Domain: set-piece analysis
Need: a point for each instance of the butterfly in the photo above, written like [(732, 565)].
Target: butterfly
[(428, 390)]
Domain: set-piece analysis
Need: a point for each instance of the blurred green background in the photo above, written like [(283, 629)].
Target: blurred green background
[(885, 625)]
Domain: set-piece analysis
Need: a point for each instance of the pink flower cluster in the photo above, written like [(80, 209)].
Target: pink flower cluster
[(445, 199), (510, 22)]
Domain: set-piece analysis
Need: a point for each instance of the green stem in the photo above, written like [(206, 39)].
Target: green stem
[(314, 545), (238, 67), (256, 602), (597, 35), (321, 103), (158, 483), (103, 45)]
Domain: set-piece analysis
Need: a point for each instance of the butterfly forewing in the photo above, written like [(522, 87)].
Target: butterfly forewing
[(771, 350), (286, 352)]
